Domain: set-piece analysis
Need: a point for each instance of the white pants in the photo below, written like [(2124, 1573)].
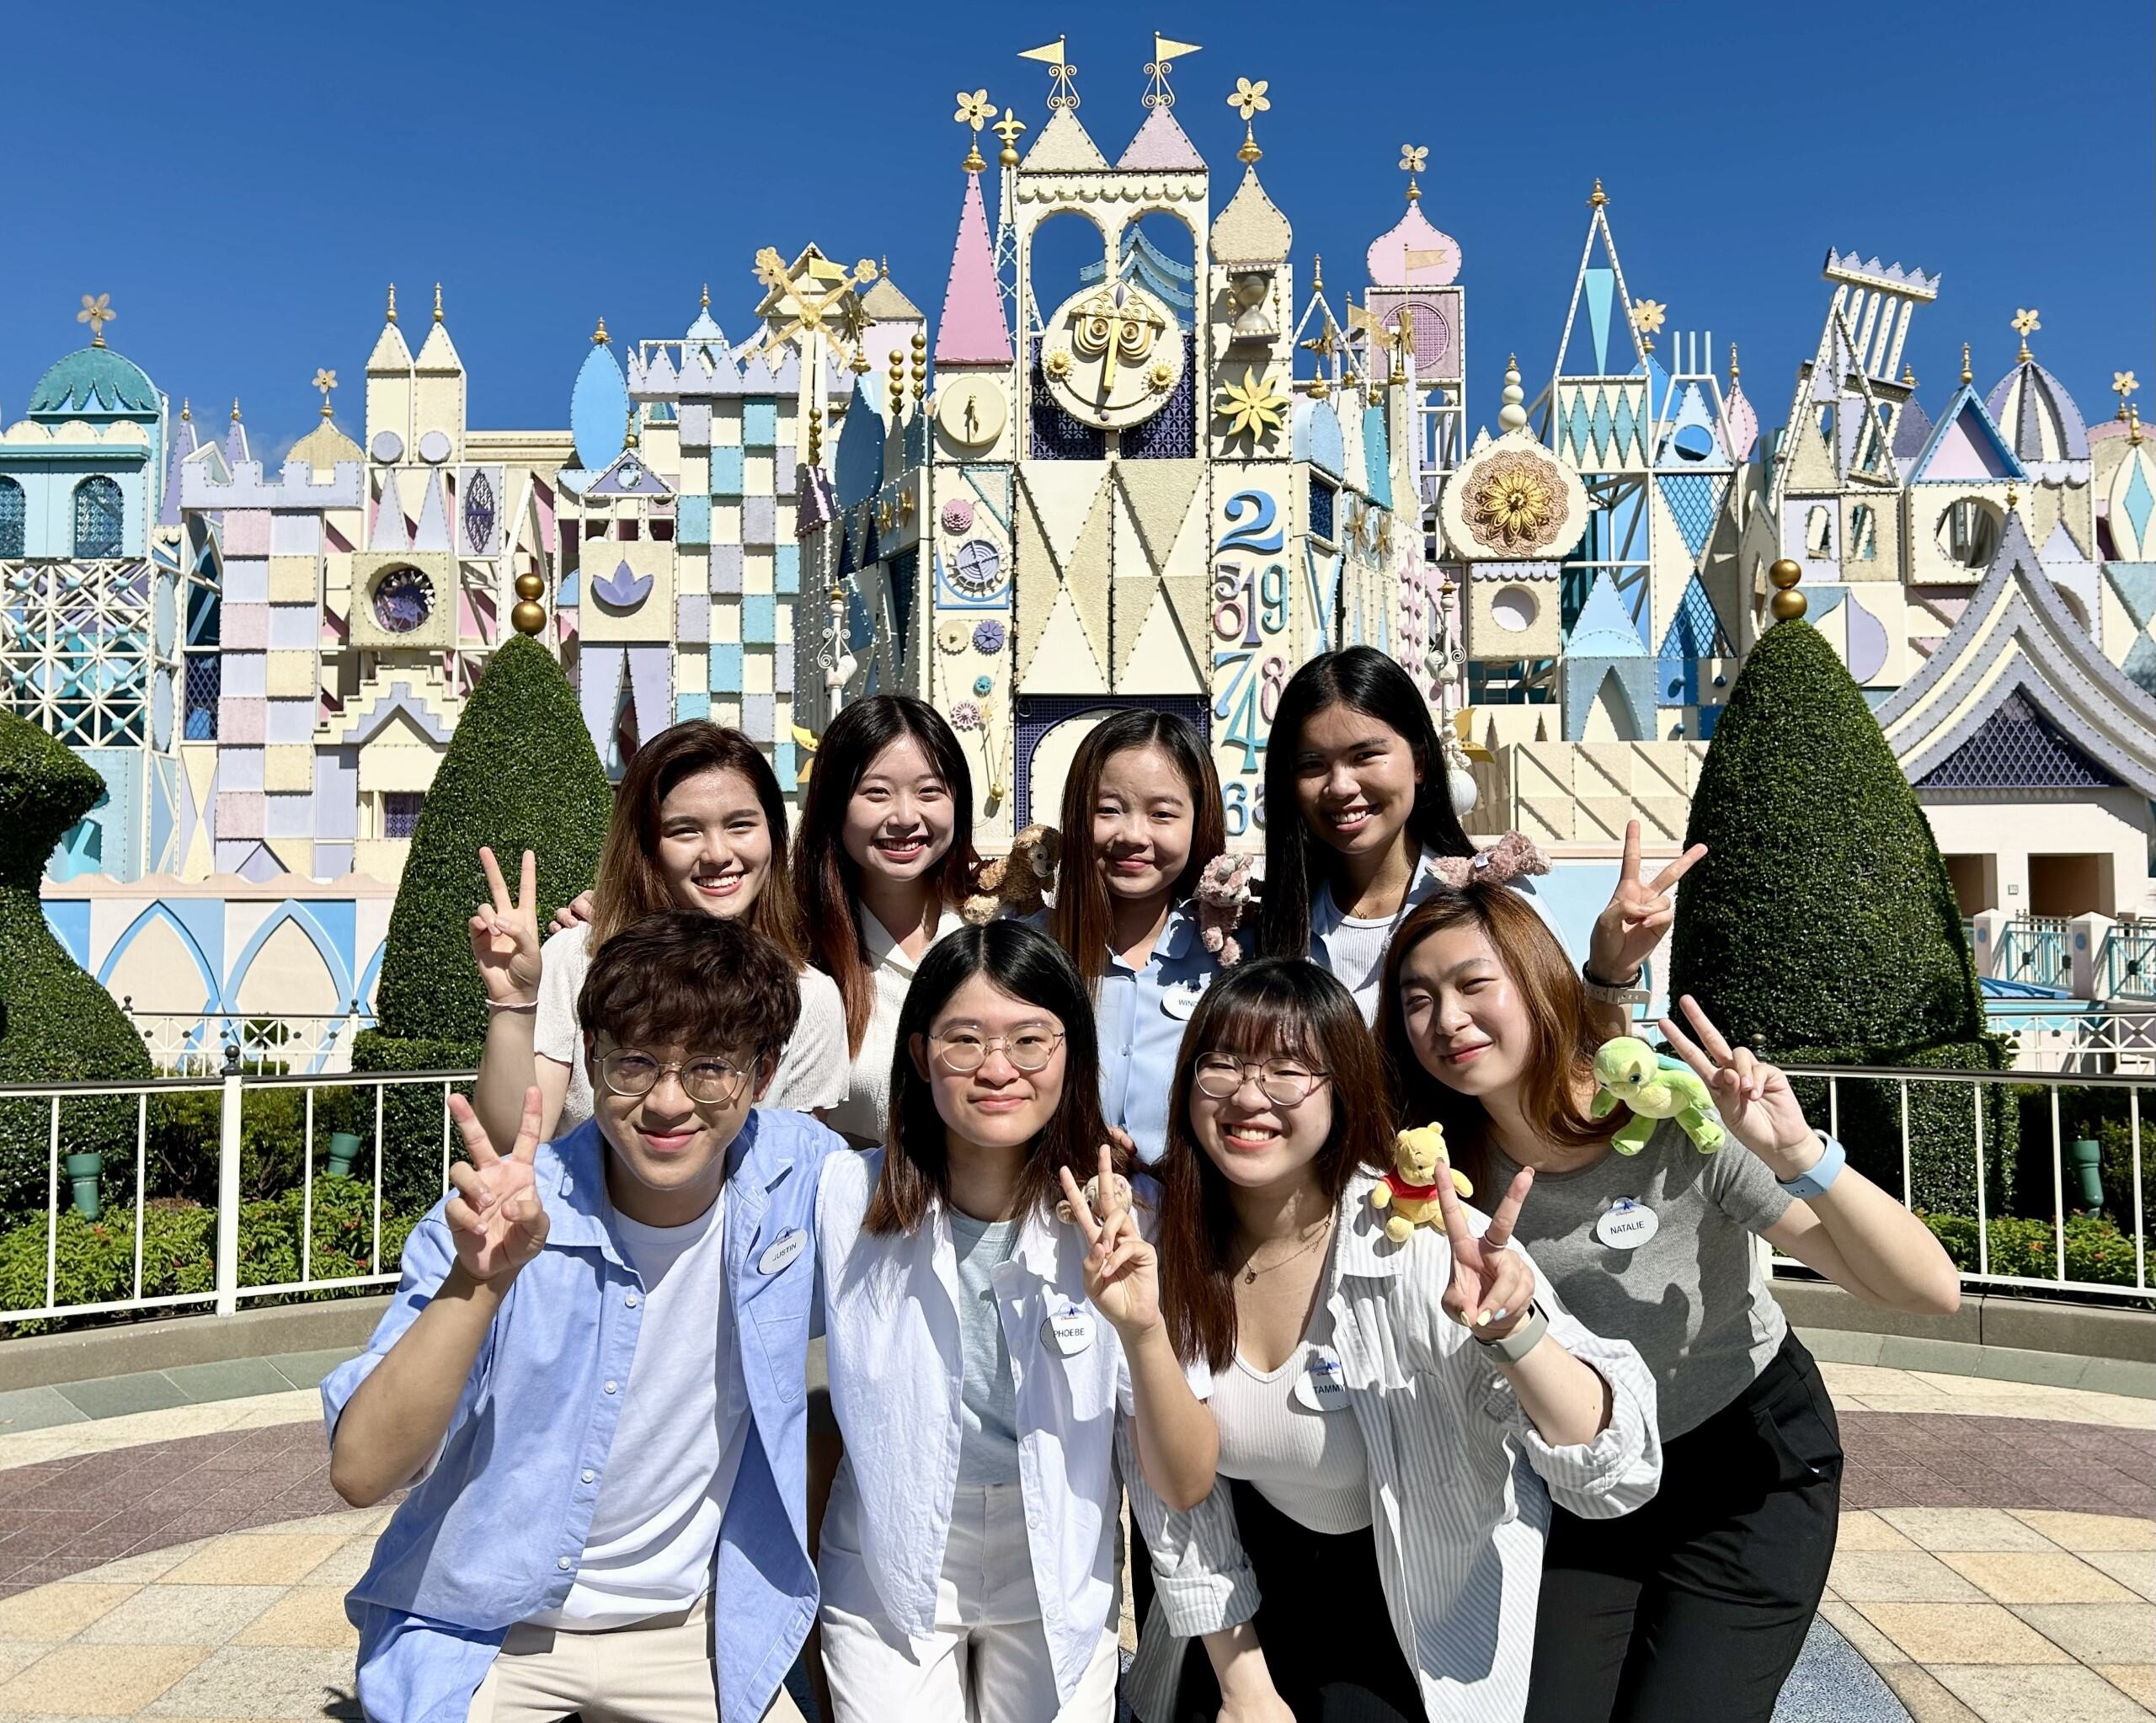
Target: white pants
[(656, 1671), (987, 1659)]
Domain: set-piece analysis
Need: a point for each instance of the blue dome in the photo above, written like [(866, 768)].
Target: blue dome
[(93, 380)]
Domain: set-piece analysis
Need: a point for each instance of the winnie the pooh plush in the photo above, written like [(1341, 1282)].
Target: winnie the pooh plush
[(1410, 1190), (1016, 884), (1656, 1087)]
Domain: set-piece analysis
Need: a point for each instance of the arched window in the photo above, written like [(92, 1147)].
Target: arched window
[(11, 518), (99, 518)]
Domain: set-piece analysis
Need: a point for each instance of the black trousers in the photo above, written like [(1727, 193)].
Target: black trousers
[(1322, 1622), (1695, 1606)]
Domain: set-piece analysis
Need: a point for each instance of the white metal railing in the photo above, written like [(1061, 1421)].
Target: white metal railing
[(204, 1043), (2127, 1098), (233, 1089), (2076, 1037)]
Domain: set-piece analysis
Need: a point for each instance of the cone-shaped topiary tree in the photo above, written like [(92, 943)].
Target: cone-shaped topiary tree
[(1822, 929), (520, 774), (56, 1024)]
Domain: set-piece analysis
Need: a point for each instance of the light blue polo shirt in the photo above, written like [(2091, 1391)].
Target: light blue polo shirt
[(1140, 1015)]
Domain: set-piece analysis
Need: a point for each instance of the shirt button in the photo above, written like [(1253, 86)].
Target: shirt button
[(633, 1301), (612, 1386), (563, 1563), (569, 1184), (589, 1475)]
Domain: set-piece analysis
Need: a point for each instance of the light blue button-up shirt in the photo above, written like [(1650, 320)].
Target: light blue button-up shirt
[(1140, 1015), (494, 1531)]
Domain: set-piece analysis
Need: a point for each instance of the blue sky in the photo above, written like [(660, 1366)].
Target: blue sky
[(244, 179)]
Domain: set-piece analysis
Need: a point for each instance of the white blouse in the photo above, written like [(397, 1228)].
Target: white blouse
[(863, 1115)]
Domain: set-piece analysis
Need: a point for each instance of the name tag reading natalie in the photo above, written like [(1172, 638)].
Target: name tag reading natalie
[(784, 1249), (1626, 1224), (1322, 1387)]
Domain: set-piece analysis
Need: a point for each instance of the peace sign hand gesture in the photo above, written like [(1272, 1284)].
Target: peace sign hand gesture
[(496, 1220), (1122, 1271), (1638, 914), (505, 934), (1493, 1287), (1754, 1097)]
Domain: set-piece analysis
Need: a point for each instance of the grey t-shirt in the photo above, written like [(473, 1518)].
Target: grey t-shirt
[(1692, 1298), (988, 1400)]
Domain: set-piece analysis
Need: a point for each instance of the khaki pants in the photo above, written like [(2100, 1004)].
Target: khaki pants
[(657, 1671)]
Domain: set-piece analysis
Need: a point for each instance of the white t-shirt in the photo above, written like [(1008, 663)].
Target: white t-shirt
[(862, 1115), (654, 1529), (811, 1070), (1301, 1451)]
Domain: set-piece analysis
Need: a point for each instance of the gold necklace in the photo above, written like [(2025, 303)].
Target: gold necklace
[(1251, 1271)]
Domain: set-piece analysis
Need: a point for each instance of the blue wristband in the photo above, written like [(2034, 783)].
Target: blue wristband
[(1822, 1172)]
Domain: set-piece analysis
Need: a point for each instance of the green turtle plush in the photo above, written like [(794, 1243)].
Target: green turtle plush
[(1656, 1087)]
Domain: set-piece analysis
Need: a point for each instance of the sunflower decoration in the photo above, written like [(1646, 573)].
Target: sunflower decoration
[(1253, 407)]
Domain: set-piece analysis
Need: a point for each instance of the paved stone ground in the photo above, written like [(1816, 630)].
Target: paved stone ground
[(1997, 1564)]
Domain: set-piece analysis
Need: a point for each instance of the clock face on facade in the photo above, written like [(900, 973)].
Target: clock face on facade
[(1112, 355), (403, 600), (970, 412)]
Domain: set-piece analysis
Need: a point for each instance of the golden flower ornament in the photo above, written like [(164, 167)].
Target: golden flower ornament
[(1250, 99), (1648, 315), (976, 111), (2124, 383), (1515, 504), (1414, 157), (1253, 407), (97, 311)]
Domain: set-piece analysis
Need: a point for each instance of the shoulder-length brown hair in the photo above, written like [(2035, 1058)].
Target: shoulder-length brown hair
[(1080, 919), (1026, 963), (630, 885), (1275, 1007), (826, 878), (1561, 1059)]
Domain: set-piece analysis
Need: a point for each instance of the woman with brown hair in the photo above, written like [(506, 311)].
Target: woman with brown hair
[(982, 1357), (1141, 817), (1697, 1606), (883, 859), (698, 824), (1395, 1418)]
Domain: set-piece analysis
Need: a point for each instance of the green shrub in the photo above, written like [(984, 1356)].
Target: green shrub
[(2096, 1252), (1822, 926), (411, 1112), (56, 1024), (2103, 1114)]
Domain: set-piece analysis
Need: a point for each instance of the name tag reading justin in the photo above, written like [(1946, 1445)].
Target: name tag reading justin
[(1626, 1224), (784, 1249), (1069, 1331), (1322, 1387)]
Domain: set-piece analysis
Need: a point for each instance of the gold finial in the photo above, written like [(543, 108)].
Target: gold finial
[(599, 337), (1597, 198), (974, 111), (1789, 604), (2123, 384), (706, 298), (1908, 375), (2012, 496), (1376, 396), (2133, 424), (898, 383), (1400, 334), (816, 435), (97, 311), (919, 364), (885, 266), (1733, 365), (527, 615), (235, 409), (1317, 272), (1157, 93), (1967, 376), (859, 362), (325, 381), (437, 301), (1413, 159), (2025, 324), (1249, 100), (186, 414), (390, 315), (1010, 128), (629, 430)]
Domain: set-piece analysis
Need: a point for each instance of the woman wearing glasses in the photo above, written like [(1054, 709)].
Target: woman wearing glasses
[(981, 1355), (1394, 1418)]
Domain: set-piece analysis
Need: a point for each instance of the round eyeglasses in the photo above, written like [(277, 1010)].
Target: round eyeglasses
[(1283, 1083), (1029, 1049), (708, 1081)]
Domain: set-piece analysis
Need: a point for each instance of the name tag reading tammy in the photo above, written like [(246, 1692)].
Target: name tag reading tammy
[(1322, 1387)]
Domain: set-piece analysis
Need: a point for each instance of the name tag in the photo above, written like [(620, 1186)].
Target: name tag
[(1069, 1331), (1626, 1224), (1322, 1387), (784, 1249), (1179, 1002)]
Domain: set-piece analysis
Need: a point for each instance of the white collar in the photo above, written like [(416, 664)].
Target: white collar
[(884, 951)]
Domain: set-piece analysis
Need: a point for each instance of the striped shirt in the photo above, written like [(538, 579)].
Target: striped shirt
[(1460, 1483)]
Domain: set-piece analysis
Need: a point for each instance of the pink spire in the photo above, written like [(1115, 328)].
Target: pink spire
[(972, 331)]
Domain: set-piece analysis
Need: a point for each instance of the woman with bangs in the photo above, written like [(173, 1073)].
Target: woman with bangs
[(1141, 817), (1696, 1607), (698, 823), (982, 1357), (883, 859), (1395, 1419)]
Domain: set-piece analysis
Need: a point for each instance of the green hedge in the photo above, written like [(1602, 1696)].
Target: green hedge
[(2096, 1252), (1822, 927), (56, 1024), (411, 1112), (94, 1261)]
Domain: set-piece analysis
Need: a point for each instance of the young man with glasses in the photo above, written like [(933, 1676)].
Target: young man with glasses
[(591, 1376)]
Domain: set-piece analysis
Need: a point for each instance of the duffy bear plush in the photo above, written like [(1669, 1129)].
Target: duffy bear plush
[(1016, 884)]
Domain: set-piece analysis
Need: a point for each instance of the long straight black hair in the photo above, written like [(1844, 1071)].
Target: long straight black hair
[(1297, 860), (1026, 963)]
